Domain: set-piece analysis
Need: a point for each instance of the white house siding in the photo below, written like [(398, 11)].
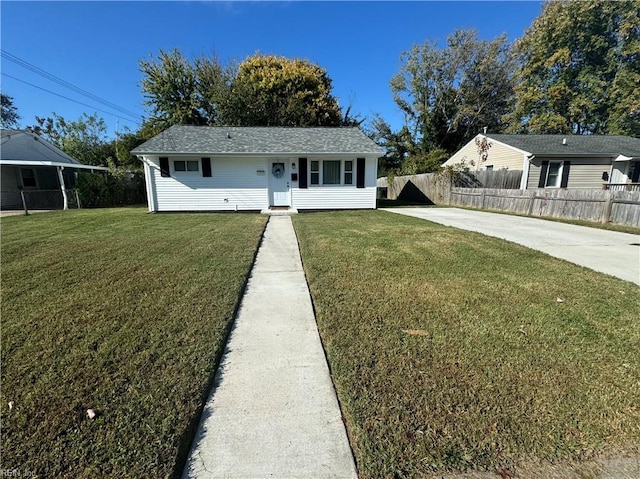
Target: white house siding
[(334, 197), (500, 157), (583, 173), (235, 184), (319, 197)]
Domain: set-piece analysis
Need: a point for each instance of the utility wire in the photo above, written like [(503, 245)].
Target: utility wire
[(71, 99), (65, 84)]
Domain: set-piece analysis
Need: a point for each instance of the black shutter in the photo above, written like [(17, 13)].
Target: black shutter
[(565, 174), (164, 167), (543, 174), (302, 178), (206, 166), (360, 172)]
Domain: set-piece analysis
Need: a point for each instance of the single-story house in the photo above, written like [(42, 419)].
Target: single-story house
[(33, 168), (202, 168), (557, 161)]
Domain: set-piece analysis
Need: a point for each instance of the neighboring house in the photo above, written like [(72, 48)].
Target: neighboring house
[(558, 161), (201, 168), (42, 172)]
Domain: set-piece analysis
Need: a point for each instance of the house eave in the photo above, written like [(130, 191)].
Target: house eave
[(51, 163), (259, 154)]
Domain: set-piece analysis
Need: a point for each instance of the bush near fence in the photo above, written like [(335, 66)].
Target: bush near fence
[(498, 190)]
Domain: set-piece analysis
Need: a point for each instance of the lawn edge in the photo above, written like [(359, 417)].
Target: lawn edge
[(343, 416), (187, 438)]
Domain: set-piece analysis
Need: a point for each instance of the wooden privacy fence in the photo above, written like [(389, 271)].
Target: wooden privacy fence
[(615, 206), (620, 207)]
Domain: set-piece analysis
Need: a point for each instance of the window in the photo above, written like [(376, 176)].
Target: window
[(315, 172), (348, 172), (489, 168), (331, 172), (554, 173), (28, 177), (181, 165)]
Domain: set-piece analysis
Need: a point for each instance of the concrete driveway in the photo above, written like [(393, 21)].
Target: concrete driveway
[(610, 252)]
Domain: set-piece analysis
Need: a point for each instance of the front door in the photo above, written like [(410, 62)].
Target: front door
[(279, 192)]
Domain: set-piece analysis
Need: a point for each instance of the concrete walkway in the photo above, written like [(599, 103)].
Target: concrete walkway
[(273, 411), (610, 252)]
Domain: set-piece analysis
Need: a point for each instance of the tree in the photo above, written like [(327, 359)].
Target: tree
[(177, 90), (278, 91), (449, 94), (9, 115), (83, 139), (580, 69), (260, 91)]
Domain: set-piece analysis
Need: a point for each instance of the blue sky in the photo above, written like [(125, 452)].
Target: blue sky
[(96, 46)]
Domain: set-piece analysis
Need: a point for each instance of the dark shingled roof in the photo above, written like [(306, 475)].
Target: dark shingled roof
[(258, 140), (578, 145), (22, 145)]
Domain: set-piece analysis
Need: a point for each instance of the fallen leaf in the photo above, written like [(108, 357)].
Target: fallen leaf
[(11, 403), (91, 413), (559, 300), (416, 332)]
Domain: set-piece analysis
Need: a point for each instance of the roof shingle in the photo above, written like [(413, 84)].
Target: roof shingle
[(258, 140), (552, 145)]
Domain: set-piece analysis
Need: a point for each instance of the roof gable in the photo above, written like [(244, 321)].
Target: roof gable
[(181, 139), (576, 145), (27, 147)]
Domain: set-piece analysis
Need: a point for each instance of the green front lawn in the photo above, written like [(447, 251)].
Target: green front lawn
[(454, 351), (118, 311)]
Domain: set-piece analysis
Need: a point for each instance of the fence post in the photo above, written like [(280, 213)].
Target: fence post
[(78, 199), (484, 193), (24, 202), (531, 202), (606, 210)]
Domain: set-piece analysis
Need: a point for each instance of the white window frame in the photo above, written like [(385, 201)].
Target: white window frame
[(346, 172), (559, 176), (186, 166), (342, 175)]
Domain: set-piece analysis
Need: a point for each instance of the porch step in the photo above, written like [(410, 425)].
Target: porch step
[(279, 211)]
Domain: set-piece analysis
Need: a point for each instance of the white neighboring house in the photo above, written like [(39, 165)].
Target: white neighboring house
[(558, 161), (33, 168), (202, 168)]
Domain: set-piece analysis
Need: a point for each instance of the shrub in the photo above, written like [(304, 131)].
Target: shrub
[(93, 190)]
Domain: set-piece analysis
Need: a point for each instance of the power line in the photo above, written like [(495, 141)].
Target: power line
[(71, 99), (65, 84)]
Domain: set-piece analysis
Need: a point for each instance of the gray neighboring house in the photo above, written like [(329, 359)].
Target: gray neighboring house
[(201, 168), (32, 166), (559, 161)]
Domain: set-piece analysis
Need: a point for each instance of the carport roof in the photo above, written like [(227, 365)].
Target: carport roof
[(181, 139), (576, 145)]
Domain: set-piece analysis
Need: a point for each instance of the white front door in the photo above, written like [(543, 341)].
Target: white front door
[(279, 191)]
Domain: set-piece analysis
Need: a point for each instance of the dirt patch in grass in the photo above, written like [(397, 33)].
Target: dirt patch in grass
[(121, 312), (451, 352)]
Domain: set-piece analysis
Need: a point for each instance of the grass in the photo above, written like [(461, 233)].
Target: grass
[(119, 311), (450, 351)]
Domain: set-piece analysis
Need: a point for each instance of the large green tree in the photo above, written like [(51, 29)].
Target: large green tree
[(263, 90), (84, 139), (270, 90), (9, 113), (580, 69), (449, 94)]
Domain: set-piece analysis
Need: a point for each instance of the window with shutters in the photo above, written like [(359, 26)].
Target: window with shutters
[(554, 174), (186, 165), (332, 172)]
